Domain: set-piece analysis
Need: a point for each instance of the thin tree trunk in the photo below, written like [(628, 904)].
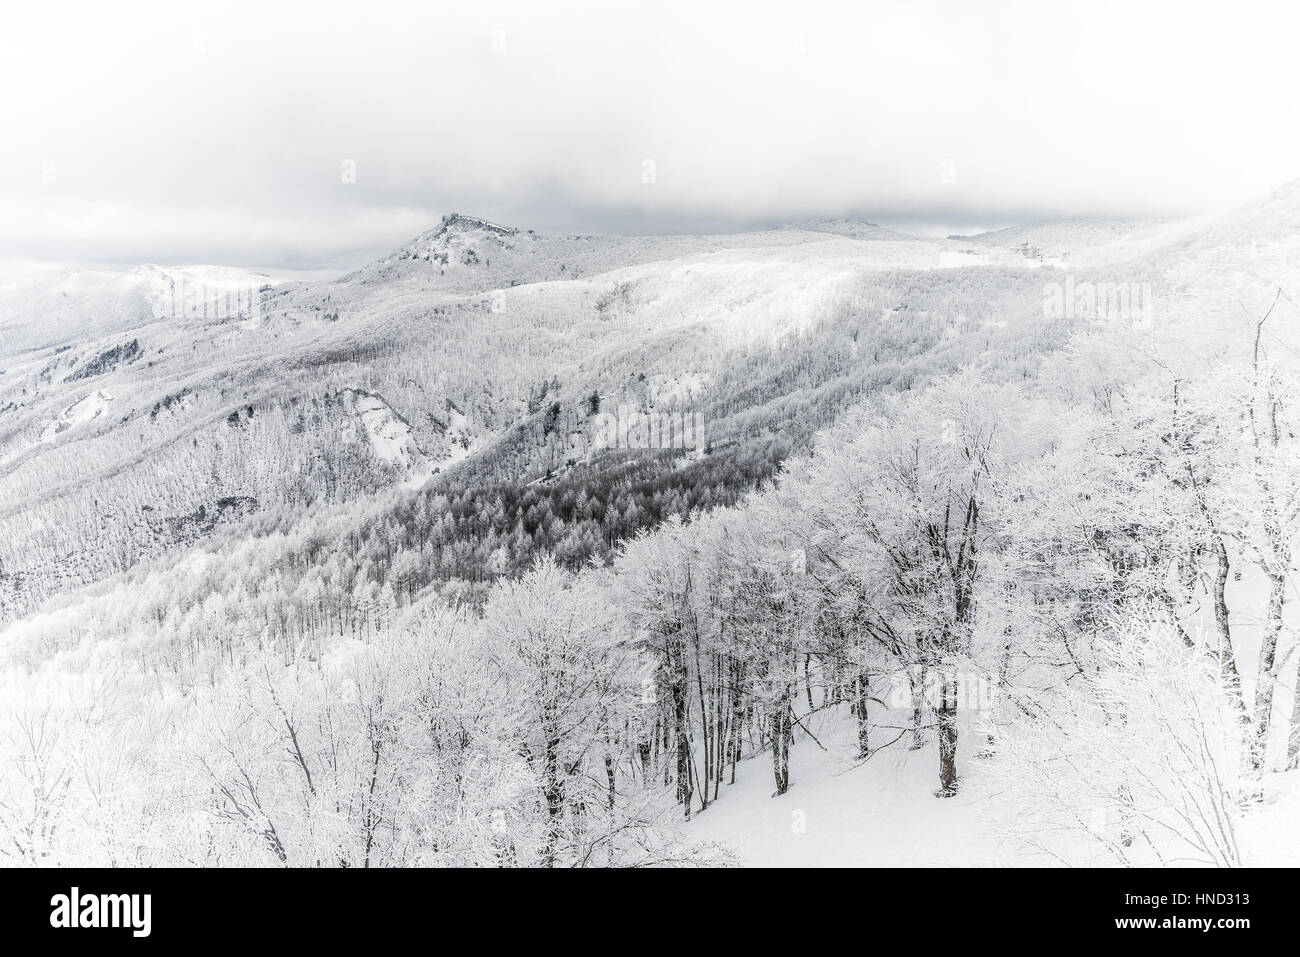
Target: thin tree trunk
[(706, 730), (987, 707), (917, 679), (860, 709), (1218, 592), (1267, 679), (553, 789), (681, 714), (782, 731), (609, 760), (1293, 741), (947, 720)]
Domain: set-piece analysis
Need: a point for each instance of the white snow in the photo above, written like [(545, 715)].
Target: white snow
[(389, 434), (840, 812), (391, 439), (461, 445), (85, 409), (684, 387), (956, 258)]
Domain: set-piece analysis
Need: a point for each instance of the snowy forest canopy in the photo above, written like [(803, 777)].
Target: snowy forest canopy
[(1052, 562)]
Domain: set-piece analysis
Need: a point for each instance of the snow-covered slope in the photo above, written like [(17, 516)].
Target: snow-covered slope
[(85, 409), (844, 812), (66, 307), (363, 462), (467, 338)]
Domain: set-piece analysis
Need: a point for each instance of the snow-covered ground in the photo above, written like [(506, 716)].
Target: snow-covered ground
[(389, 434), (752, 295), (840, 812), (392, 440), (882, 812), (52, 308), (85, 409)]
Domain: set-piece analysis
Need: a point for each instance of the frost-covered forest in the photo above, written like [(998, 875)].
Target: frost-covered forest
[(352, 580)]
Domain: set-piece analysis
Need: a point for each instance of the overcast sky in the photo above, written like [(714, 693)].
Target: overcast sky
[(223, 132)]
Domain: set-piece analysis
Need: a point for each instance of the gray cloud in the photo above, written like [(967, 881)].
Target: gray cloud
[(154, 134)]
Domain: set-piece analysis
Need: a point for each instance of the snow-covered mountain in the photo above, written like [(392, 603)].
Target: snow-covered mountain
[(84, 305), (210, 384), (698, 478)]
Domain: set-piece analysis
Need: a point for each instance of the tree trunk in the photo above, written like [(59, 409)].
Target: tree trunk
[(553, 790), (737, 719), (916, 677), (782, 732), (1218, 591), (860, 710), (1267, 679), (988, 707), (947, 720), (1293, 741), (681, 715), (609, 762)]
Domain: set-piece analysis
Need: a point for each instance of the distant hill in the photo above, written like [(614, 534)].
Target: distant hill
[(462, 379)]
